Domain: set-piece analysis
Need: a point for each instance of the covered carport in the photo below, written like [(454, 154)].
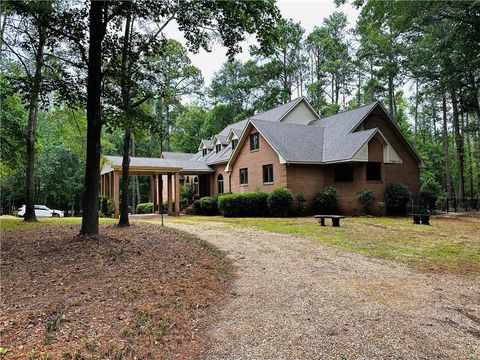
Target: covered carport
[(159, 170), (154, 168)]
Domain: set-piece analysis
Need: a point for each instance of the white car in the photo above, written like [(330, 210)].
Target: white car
[(42, 211)]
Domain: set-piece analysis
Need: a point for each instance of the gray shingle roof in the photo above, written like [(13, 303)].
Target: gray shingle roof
[(222, 156), (277, 113), (293, 142), (325, 140), (207, 143), (238, 126), (181, 165), (116, 161), (177, 156)]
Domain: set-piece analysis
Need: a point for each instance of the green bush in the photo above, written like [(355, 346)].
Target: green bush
[(430, 192), (145, 208), (397, 197), (165, 206), (187, 193), (207, 205), (252, 204), (367, 199), (279, 202), (326, 201), (106, 207)]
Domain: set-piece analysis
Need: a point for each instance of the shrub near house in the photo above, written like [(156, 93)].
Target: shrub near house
[(253, 204)]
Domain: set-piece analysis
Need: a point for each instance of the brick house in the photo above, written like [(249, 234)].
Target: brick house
[(291, 146)]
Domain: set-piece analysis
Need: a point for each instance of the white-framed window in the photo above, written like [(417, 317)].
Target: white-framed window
[(268, 173), (254, 141), (244, 176), (220, 184)]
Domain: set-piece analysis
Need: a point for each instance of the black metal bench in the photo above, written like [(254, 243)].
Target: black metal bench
[(420, 215), (335, 219), (421, 218)]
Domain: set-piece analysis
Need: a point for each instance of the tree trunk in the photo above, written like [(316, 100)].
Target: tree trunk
[(459, 146), (32, 128), (127, 138), (94, 120), (134, 181), (390, 95), (470, 157), (416, 114), (446, 148)]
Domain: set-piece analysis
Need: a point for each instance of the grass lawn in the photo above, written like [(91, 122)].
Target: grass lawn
[(11, 223), (448, 244)]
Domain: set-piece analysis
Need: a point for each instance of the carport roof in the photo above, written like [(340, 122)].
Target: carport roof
[(112, 163)]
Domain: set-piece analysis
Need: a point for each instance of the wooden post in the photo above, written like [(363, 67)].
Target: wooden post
[(116, 194), (154, 194), (159, 191), (177, 194), (102, 183), (160, 181), (169, 194), (151, 188), (110, 185)]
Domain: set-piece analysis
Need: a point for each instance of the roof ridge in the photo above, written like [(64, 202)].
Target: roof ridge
[(276, 107), (345, 111)]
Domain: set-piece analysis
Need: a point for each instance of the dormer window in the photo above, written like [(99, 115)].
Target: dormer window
[(218, 147), (204, 152), (234, 143)]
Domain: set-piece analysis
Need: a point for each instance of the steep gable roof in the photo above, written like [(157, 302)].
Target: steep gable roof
[(280, 112), (327, 140), (293, 142)]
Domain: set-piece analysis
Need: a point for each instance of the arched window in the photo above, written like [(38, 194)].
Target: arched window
[(220, 183)]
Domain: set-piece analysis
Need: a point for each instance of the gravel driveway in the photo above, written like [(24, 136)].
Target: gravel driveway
[(296, 299)]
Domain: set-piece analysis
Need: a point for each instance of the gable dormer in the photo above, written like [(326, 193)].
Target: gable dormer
[(232, 138), (205, 147), (301, 113)]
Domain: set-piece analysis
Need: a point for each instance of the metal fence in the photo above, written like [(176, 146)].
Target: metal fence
[(458, 204), (419, 205)]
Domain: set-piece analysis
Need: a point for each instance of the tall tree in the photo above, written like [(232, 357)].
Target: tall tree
[(286, 60), (28, 46), (328, 46), (230, 19)]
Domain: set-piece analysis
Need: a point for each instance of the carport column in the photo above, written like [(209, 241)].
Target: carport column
[(153, 189), (116, 194), (160, 193), (177, 194), (169, 194), (110, 185)]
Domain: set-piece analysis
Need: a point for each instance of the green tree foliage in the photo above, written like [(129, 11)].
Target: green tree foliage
[(284, 63), (331, 65), (189, 129)]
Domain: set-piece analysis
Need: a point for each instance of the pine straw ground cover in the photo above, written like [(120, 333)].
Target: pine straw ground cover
[(138, 292)]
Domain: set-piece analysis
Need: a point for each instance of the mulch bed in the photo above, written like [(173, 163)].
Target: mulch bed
[(138, 292)]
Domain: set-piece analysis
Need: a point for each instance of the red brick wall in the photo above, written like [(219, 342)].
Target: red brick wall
[(254, 160), (219, 169), (310, 179), (375, 150), (408, 172)]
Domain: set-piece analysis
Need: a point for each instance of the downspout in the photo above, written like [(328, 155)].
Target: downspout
[(229, 181)]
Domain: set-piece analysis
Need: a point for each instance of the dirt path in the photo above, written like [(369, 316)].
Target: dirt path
[(296, 299)]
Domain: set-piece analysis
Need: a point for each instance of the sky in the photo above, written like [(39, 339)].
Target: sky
[(309, 13)]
